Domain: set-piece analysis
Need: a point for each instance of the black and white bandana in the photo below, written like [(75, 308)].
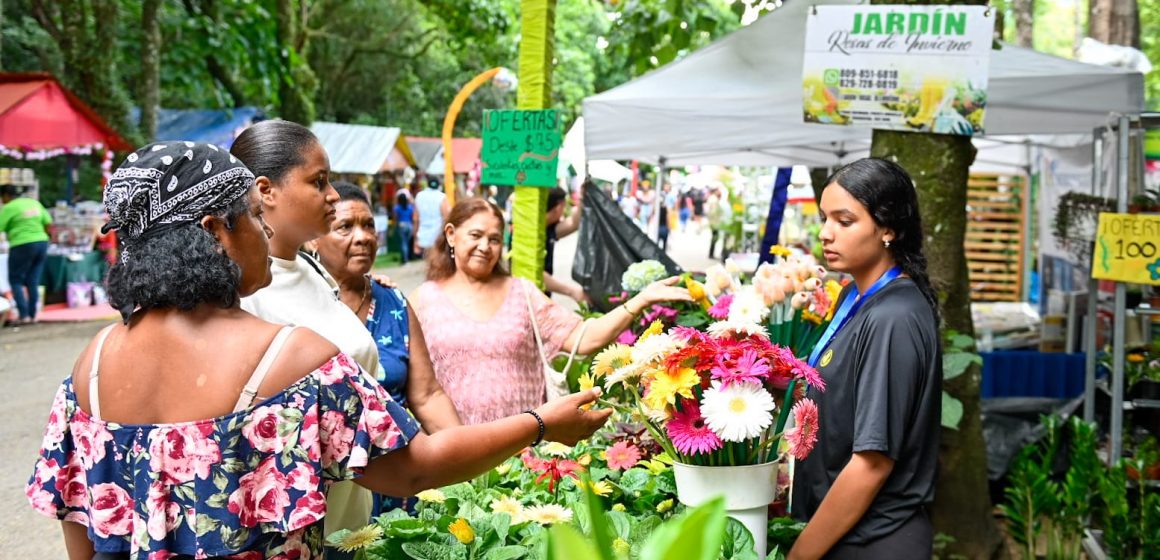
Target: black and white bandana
[(169, 184)]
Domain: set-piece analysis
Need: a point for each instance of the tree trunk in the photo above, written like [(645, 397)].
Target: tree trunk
[(295, 89), (1115, 22), (1024, 13), (85, 32), (939, 165), (150, 68)]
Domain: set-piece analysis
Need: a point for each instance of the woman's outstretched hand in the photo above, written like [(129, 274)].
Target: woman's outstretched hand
[(566, 423), (664, 290)]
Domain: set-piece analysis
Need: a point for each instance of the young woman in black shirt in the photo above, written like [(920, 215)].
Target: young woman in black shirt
[(866, 486)]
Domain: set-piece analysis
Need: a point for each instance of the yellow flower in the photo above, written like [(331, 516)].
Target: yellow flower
[(601, 488), (611, 359), (359, 538), (665, 506), (833, 290), (778, 250), (584, 460), (696, 289), (1136, 358), (668, 383), (586, 382), (503, 468), (620, 546), (655, 328), (654, 466), (548, 514), (556, 449), (462, 531), (618, 507), (434, 496), (510, 506)]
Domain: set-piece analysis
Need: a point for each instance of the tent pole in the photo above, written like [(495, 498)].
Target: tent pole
[(658, 198), (70, 168), (1093, 299), (1121, 302)]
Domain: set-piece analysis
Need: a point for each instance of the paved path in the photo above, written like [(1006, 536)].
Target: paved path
[(33, 361)]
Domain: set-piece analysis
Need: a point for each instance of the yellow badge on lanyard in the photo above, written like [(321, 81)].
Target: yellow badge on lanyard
[(825, 361)]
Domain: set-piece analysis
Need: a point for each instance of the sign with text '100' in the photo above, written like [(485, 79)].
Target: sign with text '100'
[(913, 68), (521, 147), (1128, 248)]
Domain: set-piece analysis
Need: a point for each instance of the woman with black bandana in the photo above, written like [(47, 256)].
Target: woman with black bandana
[(867, 484), (193, 428)]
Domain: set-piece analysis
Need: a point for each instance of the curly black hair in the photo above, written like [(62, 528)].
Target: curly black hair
[(182, 267)]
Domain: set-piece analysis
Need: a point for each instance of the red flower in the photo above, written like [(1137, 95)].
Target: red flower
[(554, 470)]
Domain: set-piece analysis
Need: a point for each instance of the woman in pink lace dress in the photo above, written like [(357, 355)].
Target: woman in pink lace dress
[(482, 343)]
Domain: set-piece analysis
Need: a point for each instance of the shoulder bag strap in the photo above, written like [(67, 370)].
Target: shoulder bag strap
[(527, 286)]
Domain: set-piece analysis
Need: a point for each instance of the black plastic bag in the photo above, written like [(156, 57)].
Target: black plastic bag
[(609, 242)]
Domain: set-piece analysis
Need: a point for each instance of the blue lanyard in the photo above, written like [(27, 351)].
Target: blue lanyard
[(847, 310)]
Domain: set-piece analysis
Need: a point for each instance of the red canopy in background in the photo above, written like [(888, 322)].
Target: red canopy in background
[(37, 113)]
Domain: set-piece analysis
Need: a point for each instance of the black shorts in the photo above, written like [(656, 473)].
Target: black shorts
[(914, 540)]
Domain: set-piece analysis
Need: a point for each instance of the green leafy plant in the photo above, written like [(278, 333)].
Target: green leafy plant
[(698, 534), (1074, 226), (958, 355), (1039, 505)]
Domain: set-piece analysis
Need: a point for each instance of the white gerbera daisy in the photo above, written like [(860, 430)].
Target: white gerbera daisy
[(654, 348), (555, 449), (548, 514), (748, 307), (510, 506), (722, 329), (623, 374), (738, 411)]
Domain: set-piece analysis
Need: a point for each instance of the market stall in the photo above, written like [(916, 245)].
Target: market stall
[(40, 119), (738, 102)]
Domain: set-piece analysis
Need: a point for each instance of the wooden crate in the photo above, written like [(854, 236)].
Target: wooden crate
[(996, 235)]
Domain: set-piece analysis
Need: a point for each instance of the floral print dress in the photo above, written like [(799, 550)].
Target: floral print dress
[(249, 485)]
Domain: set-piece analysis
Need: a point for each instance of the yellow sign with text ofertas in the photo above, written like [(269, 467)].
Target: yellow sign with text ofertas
[(1128, 248)]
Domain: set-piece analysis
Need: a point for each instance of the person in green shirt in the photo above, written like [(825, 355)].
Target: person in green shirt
[(24, 221)]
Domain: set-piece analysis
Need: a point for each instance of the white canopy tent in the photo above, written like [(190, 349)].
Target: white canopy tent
[(738, 102), (572, 153), (363, 149)]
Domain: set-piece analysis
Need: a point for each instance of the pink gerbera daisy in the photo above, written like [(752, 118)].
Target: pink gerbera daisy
[(622, 456), (627, 338), (804, 434), (689, 432), (748, 367), (720, 310), (802, 370)]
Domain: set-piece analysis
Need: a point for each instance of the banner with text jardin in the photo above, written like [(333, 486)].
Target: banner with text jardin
[(914, 68)]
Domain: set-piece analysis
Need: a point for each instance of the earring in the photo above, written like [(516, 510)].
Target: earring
[(451, 250), (886, 243)]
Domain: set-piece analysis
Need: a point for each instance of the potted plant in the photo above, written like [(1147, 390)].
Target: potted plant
[(1074, 226), (1147, 201)]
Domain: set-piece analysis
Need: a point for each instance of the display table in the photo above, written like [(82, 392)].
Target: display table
[(1024, 373), (59, 270)]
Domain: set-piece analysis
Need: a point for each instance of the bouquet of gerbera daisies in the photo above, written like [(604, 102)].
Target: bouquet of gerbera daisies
[(715, 398), (791, 298)]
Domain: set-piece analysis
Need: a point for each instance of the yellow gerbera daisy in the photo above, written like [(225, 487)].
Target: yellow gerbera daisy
[(665, 506), (555, 449), (586, 382), (668, 383), (779, 251), (611, 359), (655, 328), (600, 488), (462, 531)]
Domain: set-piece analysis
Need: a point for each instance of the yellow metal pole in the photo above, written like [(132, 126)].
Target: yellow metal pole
[(449, 127)]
